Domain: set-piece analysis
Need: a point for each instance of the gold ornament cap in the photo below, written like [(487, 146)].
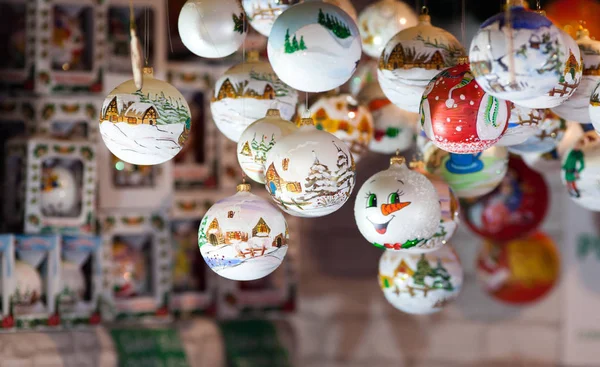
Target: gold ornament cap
[(273, 112), (582, 32), (415, 163), (148, 71), (243, 187), (253, 56), (512, 3), (540, 12), (397, 159), (306, 121), (462, 60), (424, 17)]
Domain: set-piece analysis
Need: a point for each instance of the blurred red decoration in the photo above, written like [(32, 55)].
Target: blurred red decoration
[(516, 207), (567, 14)]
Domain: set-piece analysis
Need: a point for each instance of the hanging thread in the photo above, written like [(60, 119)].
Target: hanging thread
[(169, 26), (146, 34), (510, 46)]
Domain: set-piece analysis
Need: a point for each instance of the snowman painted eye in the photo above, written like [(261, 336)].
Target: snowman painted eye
[(371, 200), (394, 197)]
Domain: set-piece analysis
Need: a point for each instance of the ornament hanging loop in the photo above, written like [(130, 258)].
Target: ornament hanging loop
[(424, 17)]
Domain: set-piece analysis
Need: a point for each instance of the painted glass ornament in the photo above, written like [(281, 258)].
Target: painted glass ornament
[(69, 41), (420, 283), (571, 74), (449, 204), (398, 209), (594, 108), (523, 123), (258, 139), (345, 5), (314, 46), (263, 13), (342, 116), (576, 107), (244, 94), (59, 191), (516, 207), (460, 117), (310, 173), (412, 58), (28, 285), (469, 175), (550, 132), (581, 171), (147, 126), (520, 271), (394, 128), (72, 287), (381, 21), (212, 28), (528, 69), (243, 237), (130, 269)]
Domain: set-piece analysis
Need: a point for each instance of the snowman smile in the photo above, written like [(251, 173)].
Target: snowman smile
[(381, 228)]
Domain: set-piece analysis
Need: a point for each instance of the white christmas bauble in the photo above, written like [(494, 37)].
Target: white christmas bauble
[(28, 284), (420, 283), (523, 123), (576, 107), (549, 134), (310, 173), (581, 171), (72, 286), (569, 79), (594, 108), (243, 237), (394, 127), (59, 192), (342, 116), (147, 126), (314, 46), (244, 94), (258, 139), (412, 58), (262, 13), (380, 21), (536, 59), (212, 28), (398, 209)]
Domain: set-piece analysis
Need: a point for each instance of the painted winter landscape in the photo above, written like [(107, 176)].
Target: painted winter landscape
[(547, 137), (147, 126), (262, 13)]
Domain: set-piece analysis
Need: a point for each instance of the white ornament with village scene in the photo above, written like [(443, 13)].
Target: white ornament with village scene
[(28, 284), (549, 134), (523, 123)]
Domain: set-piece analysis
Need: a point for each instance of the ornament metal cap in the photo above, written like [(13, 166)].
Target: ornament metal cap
[(306, 121), (148, 70), (540, 12), (397, 159), (273, 112), (416, 163), (253, 56), (424, 17), (245, 187), (462, 60)]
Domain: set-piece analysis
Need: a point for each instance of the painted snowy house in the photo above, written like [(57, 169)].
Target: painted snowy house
[(261, 229), (279, 241), (246, 150), (274, 182), (226, 91), (592, 70), (401, 58), (141, 113), (214, 233), (268, 93), (235, 236), (112, 111)]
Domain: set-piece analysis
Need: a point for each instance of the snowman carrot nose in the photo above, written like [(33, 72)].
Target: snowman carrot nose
[(387, 209)]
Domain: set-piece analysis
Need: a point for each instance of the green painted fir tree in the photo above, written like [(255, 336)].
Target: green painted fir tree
[(302, 44), (442, 277), (423, 270), (287, 45)]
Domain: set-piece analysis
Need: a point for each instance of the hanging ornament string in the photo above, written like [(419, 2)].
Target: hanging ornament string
[(146, 34), (510, 46), (135, 49), (169, 26)]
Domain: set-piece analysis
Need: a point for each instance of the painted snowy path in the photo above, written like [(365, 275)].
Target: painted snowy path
[(142, 144)]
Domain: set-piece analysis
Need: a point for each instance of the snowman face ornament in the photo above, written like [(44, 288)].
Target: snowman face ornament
[(398, 209)]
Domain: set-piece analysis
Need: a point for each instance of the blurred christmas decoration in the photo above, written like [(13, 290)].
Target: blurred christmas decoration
[(366, 73), (129, 269), (243, 237), (212, 28), (72, 287), (28, 284), (394, 127), (398, 209), (520, 271), (263, 13), (523, 123), (581, 171), (459, 116), (594, 108), (412, 58), (310, 173), (568, 14), (258, 139), (420, 283), (147, 126), (244, 94), (342, 116), (345, 5), (59, 191), (515, 208), (314, 46), (547, 137), (380, 21), (529, 65)]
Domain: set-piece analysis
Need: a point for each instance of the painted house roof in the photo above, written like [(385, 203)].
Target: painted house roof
[(138, 109)]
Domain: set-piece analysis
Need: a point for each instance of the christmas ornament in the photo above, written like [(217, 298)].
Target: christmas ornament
[(568, 82), (263, 13), (420, 283), (517, 206), (314, 46), (244, 94), (393, 127), (448, 203), (59, 191), (594, 108), (28, 285), (581, 171), (576, 107), (130, 269), (258, 139), (72, 287), (529, 66), (469, 175), (380, 21), (69, 39), (243, 237), (212, 28), (523, 123), (365, 74), (342, 116), (310, 173), (147, 126), (520, 271), (549, 134), (458, 116), (345, 5), (412, 58), (398, 209)]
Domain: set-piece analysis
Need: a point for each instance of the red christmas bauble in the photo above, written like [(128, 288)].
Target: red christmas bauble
[(516, 207), (459, 116)]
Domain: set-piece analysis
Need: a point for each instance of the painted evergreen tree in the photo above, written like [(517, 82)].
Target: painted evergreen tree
[(261, 156), (344, 174), (302, 44), (202, 232), (423, 270), (169, 110), (336, 26), (295, 45), (287, 46), (271, 143), (281, 89), (254, 143), (442, 277), (319, 181), (239, 23)]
